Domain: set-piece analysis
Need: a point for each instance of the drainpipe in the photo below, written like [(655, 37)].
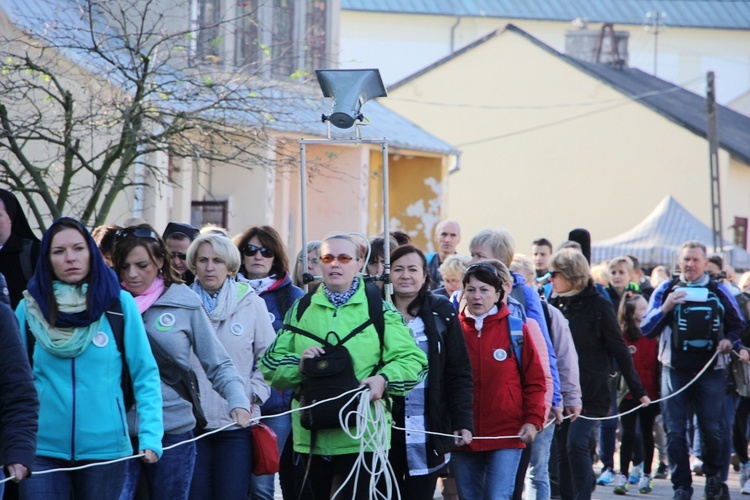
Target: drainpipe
[(453, 32)]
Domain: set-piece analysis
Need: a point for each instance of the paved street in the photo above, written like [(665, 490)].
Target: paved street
[(663, 489)]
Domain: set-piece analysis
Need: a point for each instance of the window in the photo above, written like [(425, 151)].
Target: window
[(283, 57), (207, 17), (209, 212), (740, 232), (247, 38), (314, 50)]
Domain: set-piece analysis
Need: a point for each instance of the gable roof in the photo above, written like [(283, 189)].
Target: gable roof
[(675, 103), (725, 14), (658, 238), (292, 111)]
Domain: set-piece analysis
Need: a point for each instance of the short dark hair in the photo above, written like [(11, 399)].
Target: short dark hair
[(542, 242), (636, 263), (401, 237), (105, 237)]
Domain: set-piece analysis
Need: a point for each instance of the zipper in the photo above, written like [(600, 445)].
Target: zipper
[(73, 421), (122, 421)]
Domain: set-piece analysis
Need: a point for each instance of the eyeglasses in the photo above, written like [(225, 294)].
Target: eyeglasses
[(135, 232), (179, 255), (251, 250), (552, 274), (343, 258)]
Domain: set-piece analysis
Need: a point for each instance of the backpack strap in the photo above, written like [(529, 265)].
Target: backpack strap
[(517, 293), (516, 339), (283, 300)]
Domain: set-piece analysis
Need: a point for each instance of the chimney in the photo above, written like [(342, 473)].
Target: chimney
[(602, 46)]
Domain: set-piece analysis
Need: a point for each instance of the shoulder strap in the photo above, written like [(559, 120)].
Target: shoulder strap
[(547, 316), (430, 257), (517, 293), (26, 268), (670, 288), (117, 323), (375, 305), (516, 339), (304, 302)]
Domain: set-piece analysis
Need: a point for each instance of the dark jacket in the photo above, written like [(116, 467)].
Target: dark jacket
[(449, 399), (598, 340), (19, 406), (279, 401), (10, 266)]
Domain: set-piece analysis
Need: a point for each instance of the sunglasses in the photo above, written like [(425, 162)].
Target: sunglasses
[(135, 232), (343, 258), (179, 255), (552, 274), (251, 250)]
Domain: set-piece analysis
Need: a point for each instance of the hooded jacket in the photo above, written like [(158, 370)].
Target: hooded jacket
[(504, 400), (179, 323), (245, 331), (598, 341)]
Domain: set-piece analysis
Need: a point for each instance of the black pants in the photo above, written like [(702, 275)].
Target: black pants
[(646, 416), (739, 429), (411, 487), (325, 472)]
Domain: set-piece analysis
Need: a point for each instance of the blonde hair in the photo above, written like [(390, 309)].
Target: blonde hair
[(573, 266), (622, 260), (499, 240), (744, 281), (524, 265), (455, 265), (600, 273), (224, 248)]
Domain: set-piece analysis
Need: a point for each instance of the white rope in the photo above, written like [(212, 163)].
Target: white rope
[(372, 433)]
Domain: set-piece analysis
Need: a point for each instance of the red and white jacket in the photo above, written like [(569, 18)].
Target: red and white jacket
[(504, 400)]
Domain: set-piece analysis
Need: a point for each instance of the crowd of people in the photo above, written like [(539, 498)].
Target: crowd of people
[(504, 375)]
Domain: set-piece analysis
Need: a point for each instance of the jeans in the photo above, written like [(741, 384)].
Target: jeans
[(539, 466), (705, 396), (102, 482), (730, 405), (608, 434), (170, 477), (223, 465), (264, 487), (488, 475), (574, 458)]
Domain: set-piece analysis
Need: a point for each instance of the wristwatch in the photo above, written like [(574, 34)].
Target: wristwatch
[(385, 377)]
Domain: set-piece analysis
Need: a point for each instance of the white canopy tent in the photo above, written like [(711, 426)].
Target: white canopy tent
[(658, 238)]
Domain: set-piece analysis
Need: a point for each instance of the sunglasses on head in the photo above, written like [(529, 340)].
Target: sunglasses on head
[(251, 250), (135, 232), (343, 258), (179, 255), (486, 267)]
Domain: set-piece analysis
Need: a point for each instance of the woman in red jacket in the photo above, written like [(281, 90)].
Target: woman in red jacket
[(644, 351), (507, 402)]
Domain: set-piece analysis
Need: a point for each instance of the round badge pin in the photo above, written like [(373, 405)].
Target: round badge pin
[(165, 322), (500, 355), (272, 316), (101, 339), (237, 329), (632, 349)]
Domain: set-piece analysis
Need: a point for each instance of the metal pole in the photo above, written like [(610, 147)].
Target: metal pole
[(303, 205), (713, 158), (386, 231)]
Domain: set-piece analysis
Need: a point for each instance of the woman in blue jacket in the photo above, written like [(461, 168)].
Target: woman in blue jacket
[(265, 266), (77, 367)]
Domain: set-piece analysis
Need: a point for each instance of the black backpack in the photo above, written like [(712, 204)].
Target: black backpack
[(332, 373), (117, 323), (697, 328)]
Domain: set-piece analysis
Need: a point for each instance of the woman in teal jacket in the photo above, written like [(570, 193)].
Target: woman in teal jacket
[(77, 368)]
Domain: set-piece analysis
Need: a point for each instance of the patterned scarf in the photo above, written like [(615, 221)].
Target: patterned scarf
[(339, 299)]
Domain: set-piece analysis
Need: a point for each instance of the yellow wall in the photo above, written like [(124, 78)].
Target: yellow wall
[(547, 148), (400, 44)]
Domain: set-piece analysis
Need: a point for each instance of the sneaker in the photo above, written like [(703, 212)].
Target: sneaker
[(606, 477), (682, 494), (744, 474), (621, 484), (725, 492), (697, 466), (645, 484), (713, 487), (635, 474), (662, 471), (736, 462), (746, 488)]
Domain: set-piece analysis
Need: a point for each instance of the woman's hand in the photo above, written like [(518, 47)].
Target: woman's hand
[(645, 401), (18, 472), (556, 412), (528, 433), (241, 417), (309, 353), (463, 437), (149, 457), (377, 386), (572, 412)]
